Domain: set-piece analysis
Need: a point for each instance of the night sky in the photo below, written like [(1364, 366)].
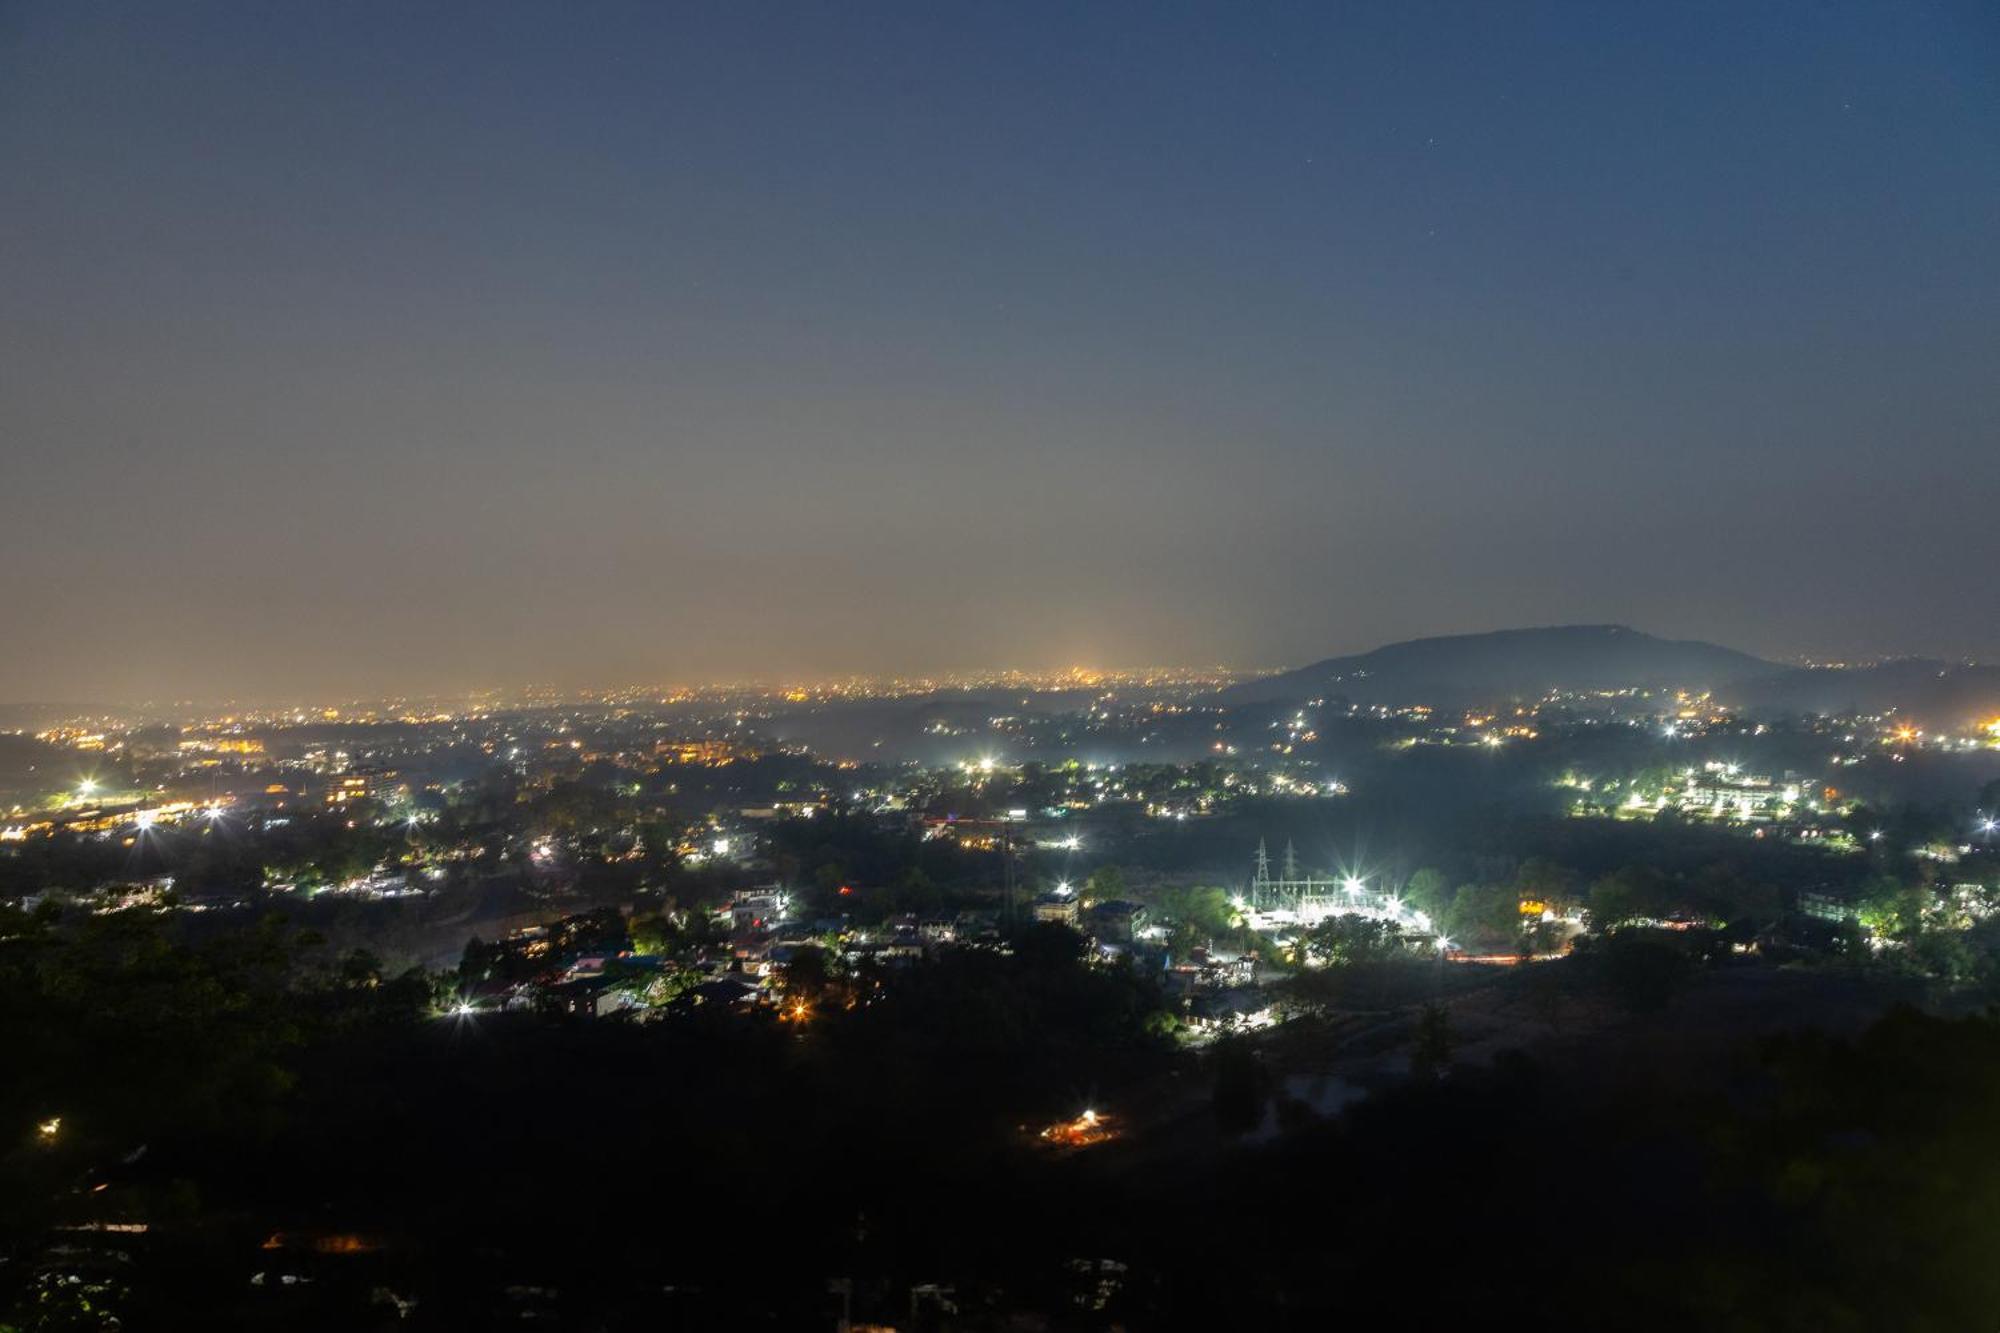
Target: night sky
[(359, 347)]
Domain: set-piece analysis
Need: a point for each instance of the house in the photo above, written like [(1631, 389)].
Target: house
[(1117, 921), (1060, 908)]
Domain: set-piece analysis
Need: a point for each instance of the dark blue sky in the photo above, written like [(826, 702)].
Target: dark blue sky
[(365, 346)]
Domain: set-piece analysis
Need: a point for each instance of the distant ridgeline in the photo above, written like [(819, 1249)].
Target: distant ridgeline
[(1508, 663), (1526, 663)]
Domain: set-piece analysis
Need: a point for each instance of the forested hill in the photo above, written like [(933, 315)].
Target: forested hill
[(1507, 663)]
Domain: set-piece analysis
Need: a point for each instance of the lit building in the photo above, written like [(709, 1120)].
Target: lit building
[(1057, 907)]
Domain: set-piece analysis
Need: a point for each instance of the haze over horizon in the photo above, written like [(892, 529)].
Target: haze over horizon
[(1054, 676), (366, 349)]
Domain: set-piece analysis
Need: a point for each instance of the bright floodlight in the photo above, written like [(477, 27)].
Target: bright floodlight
[(1352, 884), (463, 1009), (145, 819), (86, 787)]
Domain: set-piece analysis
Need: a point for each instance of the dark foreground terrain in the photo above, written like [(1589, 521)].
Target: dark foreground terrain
[(248, 1135)]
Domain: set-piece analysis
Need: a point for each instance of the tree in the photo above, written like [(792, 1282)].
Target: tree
[(655, 935), (1342, 940), (1242, 1086), (1199, 915), (1545, 881), (1106, 884), (1431, 1055), (1629, 894), (1891, 909), (915, 891), (1540, 937), (1046, 945), (1642, 972), (1184, 937), (808, 973), (1429, 892), (1489, 914)]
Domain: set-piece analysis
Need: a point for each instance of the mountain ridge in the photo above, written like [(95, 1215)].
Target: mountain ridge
[(1509, 662)]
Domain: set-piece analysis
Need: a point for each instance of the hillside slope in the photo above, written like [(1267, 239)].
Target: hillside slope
[(1508, 663)]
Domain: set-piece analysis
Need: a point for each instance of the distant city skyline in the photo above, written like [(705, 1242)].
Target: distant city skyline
[(358, 350)]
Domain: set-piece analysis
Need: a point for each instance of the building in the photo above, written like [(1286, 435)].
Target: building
[(365, 783), (1060, 908), (1117, 921), (1723, 791)]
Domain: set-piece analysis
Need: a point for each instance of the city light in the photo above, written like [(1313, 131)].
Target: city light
[(573, 551), (1088, 1129)]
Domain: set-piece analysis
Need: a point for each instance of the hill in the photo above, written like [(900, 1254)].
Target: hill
[(1505, 664)]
